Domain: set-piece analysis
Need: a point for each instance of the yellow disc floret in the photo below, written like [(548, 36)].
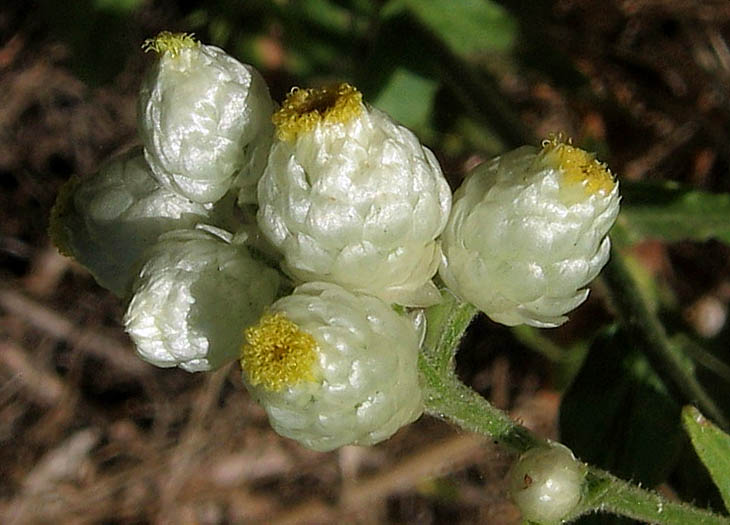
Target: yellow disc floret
[(167, 42), (577, 166), (277, 353), (303, 109)]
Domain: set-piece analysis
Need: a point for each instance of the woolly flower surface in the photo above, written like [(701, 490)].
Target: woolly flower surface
[(194, 297), (106, 221), (333, 368), (353, 198), (528, 232), (204, 118)]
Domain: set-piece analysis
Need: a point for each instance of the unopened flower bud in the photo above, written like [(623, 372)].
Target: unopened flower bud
[(106, 221), (528, 231), (333, 368), (353, 198), (204, 118), (194, 297), (546, 483)]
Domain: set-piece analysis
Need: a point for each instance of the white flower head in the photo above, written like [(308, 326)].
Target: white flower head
[(333, 368), (351, 197), (106, 221), (194, 297), (546, 483), (528, 231), (204, 118)]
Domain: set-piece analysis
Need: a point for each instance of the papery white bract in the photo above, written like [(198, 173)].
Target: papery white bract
[(333, 368), (351, 197), (194, 297), (527, 233), (107, 220), (204, 119)]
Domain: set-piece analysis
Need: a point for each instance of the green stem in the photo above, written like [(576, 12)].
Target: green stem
[(702, 356), (448, 398), (452, 318), (608, 493), (668, 360)]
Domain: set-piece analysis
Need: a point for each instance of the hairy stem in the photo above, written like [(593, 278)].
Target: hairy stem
[(449, 398), (608, 493)]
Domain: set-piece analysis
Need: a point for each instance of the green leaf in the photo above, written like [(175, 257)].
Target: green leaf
[(117, 6), (467, 26), (619, 415), (325, 15), (408, 98), (712, 446), (670, 212)]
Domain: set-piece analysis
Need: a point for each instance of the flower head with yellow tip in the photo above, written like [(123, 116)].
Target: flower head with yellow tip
[(333, 368), (303, 109), (528, 232), (204, 119), (277, 353), (351, 197)]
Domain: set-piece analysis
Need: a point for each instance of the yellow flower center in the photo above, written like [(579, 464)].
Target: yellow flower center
[(169, 42), (277, 353), (303, 109), (577, 166)]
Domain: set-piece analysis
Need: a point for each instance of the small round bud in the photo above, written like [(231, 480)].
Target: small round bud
[(546, 483), (194, 297), (351, 197), (106, 221), (204, 119), (528, 231), (333, 368)]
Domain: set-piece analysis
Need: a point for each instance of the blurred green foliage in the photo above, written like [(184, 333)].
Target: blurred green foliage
[(619, 415), (669, 212), (468, 27)]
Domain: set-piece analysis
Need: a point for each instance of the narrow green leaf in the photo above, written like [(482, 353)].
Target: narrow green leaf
[(467, 26), (619, 415), (117, 6), (325, 14), (712, 446), (670, 212), (408, 98)]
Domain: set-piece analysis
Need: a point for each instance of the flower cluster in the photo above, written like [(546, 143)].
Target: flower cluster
[(304, 240)]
